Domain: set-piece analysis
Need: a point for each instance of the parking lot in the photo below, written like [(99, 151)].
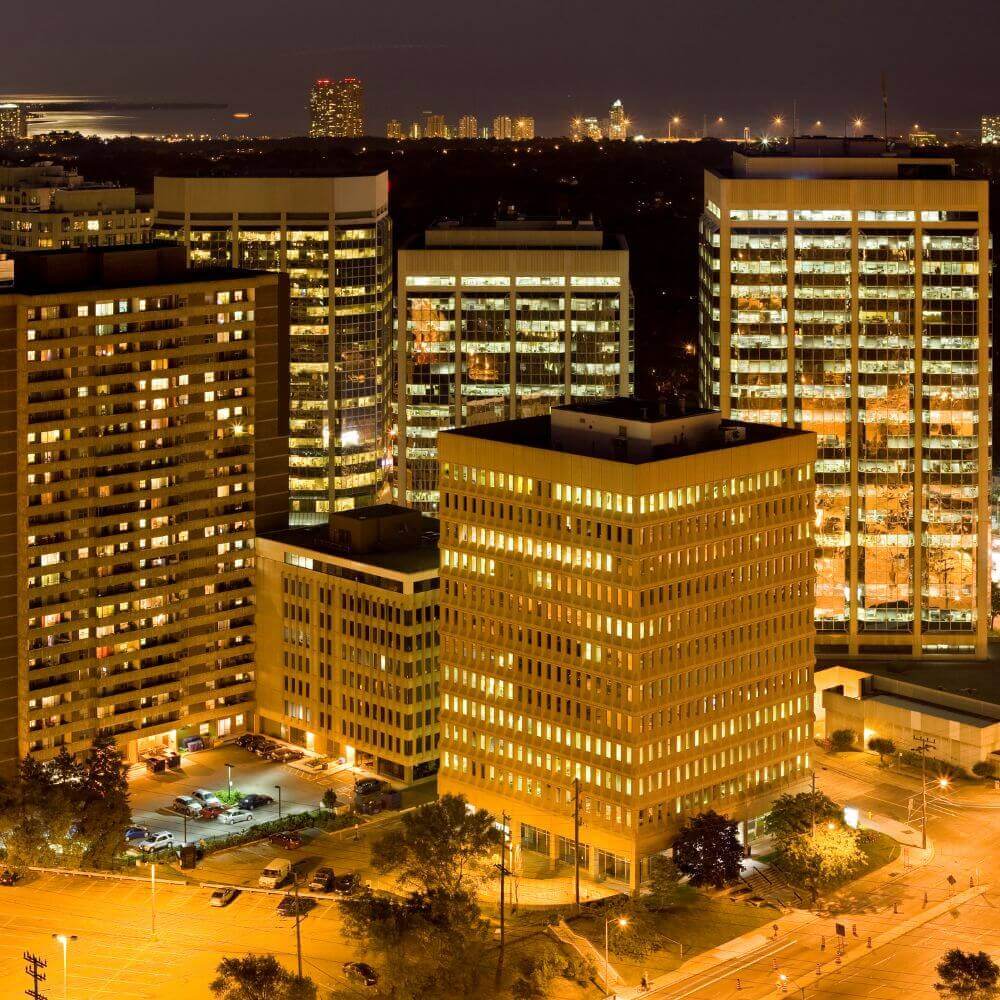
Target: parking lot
[(153, 794)]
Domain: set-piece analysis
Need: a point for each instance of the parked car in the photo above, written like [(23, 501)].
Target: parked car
[(346, 885), (287, 756), (322, 880), (233, 816), (361, 972), (211, 812), (223, 897), (290, 904), (207, 798), (369, 786), (9, 876), (276, 874), (155, 842), (289, 840), (264, 748), (274, 752), (187, 806), (136, 833), (249, 740), (253, 800)]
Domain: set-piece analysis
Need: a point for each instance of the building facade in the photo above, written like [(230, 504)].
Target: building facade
[(990, 130), (847, 292), (13, 123), (394, 129), (503, 127), (435, 126), (347, 656), (46, 207), (498, 322), (626, 604), (468, 127), (336, 109), (333, 237), (618, 123), (146, 442), (523, 128)]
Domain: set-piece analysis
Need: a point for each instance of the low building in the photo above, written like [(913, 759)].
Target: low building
[(47, 207), (348, 644), (963, 728)]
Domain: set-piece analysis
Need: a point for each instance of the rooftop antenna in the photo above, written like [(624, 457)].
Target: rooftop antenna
[(885, 110)]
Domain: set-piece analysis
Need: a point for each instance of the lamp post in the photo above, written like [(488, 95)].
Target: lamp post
[(64, 940), (278, 789), (622, 922), (229, 778)]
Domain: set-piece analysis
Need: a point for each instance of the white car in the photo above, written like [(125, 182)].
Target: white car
[(155, 842), (207, 798), (231, 816)]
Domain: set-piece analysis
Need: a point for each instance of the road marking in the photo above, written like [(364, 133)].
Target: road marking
[(766, 952)]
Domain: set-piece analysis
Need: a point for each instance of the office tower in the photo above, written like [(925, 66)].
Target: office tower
[(46, 206), (394, 129), (336, 108), (626, 601), (333, 237), (468, 127), (498, 322), (618, 123), (147, 442), (416, 130), (586, 128), (13, 123), (846, 290), (503, 127), (990, 130), (435, 126), (523, 128), (347, 659)]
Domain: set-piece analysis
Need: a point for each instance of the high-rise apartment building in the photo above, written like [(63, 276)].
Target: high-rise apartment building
[(394, 129), (332, 236), (336, 109), (498, 322), (990, 130), (435, 126), (46, 206), (347, 655), (416, 130), (846, 291), (626, 603), (503, 127), (586, 128), (618, 123), (13, 123), (523, 128), (468, 127), (146, 437)]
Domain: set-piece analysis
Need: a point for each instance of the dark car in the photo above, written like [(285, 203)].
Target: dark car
[(289, 756), (369, 786), (290, 905), (289, 840), (265, 749), (211, 812), (136, 833), (361, 972), (255, 801), (322, 880), (9, 876), (249, 741), (346, 885)]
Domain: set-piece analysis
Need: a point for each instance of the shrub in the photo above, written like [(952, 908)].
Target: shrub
[(882, 746), (984, 769), (842, 739), (229, 798), (537, 971), (579, 969)]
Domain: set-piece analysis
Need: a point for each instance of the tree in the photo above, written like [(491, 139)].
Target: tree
[(537, 972), (260, 977), (984, 769), (329, 799), (791, 815), (708, 849), (971, 976), (665, 889), (440, 847), (882, 746), (816, 860), (632, 931), (430, 944), (104, 813), (36, 817), (842, 739)]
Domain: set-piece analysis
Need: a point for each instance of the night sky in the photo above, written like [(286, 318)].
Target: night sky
[(745, 60)]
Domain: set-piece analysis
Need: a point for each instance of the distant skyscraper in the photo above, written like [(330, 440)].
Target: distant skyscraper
[(468, 127), (13, 122), (336, 108), (921, 137), (618, 123), (147, 443), (498, 322), (503, 127), (586, 128), (626, 615), (435, 126), (990, 134), (334, 238), (394, 129), (523, 128), (416, 130), (847, 292)]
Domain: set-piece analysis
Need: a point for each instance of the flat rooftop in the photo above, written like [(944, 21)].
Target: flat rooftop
[(517, 234), (932, 708)]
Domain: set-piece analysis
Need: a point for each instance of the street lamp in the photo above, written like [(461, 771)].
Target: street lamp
[(64, 940), (278, 789), (229, 778), (622, 922), (676, 120)]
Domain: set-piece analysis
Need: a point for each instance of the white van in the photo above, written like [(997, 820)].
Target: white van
[(276, 874)]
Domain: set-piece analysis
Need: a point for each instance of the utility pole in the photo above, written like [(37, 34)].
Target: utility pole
[(576, 838), (504, 820), (33, 968), (298, 921), (812, 805), (923, 744)]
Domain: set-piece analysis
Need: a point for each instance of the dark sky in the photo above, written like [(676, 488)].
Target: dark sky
[(744, 59)]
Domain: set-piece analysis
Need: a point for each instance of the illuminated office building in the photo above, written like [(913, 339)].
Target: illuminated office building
[(394, 129), (13, 123), (468, 127), (847, 292), (147, 443), (626, 601), (503, 127), (332, 236), (347, 653), (46, 207), (618, 123), (990, 130), (586, 128), (336, 109), (523, 128), (500, 322), (918, 137), (435, 126), (416, 130)]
